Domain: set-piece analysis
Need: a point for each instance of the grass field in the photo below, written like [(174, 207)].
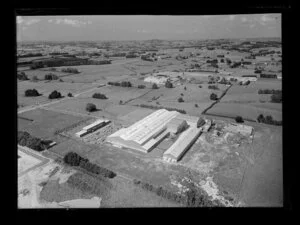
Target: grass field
[(246, 102), (46, 122)]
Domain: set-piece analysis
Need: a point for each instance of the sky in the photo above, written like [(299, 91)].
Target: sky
[(143, 27)]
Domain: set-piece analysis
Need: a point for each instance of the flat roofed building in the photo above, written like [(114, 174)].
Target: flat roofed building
[(149, 129), (95, 125)]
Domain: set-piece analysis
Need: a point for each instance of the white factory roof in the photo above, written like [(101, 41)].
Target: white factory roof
[(80, 133), (94, 124)]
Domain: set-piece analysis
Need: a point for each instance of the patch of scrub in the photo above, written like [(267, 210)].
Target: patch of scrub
[(212, 190)]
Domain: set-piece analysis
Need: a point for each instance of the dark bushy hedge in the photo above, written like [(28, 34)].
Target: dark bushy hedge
[(31, 93), (154, 86), (239, 119), (25, 139), (73, 159), (114, 83), (141, 86), (161, 107), (70, 70), (22, 76), (276, 98), (269, 91), (51, 76), (168, 84), (213, 87), (54, 94), (268, 120), (99, 96)]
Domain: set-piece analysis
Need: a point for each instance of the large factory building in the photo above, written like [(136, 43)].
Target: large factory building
[(145, 134)]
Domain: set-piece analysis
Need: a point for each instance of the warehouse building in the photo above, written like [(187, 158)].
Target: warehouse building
[(182, 144), (92, 127), (147, 133), (144, 134)]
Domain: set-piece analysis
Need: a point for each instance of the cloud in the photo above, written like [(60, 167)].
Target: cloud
[(71, 22)]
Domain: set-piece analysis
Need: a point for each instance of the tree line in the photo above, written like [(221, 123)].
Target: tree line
[(73, 159), (37, 144)]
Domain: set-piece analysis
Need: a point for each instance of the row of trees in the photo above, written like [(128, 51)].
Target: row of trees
[(268, 120), (25, 139), (73, 159), (161, 107), (99, 96), (51, 76), (122, 84), (70, 70), (269, 91)]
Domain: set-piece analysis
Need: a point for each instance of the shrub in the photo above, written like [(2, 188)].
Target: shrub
[(154, 86), (180, 99), (213, 97), (121, 102), (141, 86), (70, 94), (196, 105), (99, 96), (239, 119), (168, 84), (54, 94), (182, 94), (185, 88), (31, 93), (200, 86), (90, 107)]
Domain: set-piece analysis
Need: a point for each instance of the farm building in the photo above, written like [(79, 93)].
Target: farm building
[(92, 127), (182, 144), (239, 128)]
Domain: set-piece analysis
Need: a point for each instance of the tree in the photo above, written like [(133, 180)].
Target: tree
[(34, 78), (51, 76), (180, 99), (196, 105), (31, 93), (54, 94), (239, 119), (22, 76), (70, 94), (261, 118), (168, 84), (200, 86), (121, 102), (141, 86), (213, 97), (90, 107), (154, 86), (185, 88)]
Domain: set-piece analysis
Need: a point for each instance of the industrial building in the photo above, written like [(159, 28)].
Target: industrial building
[(92, 127), (182, 144), (145, 134)]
